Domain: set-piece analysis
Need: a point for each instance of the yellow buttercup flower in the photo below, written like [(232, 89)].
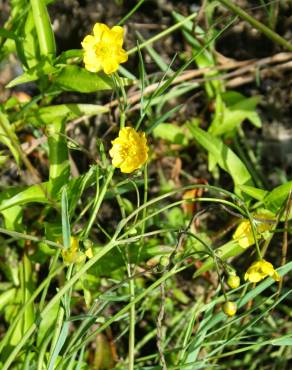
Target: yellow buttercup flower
[(259, 270), (244, 235), (103, 50), (71, 255), (130, 150)]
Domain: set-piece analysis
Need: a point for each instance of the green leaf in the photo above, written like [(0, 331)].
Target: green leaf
[(65, 220), (6, 298), (274, 200), (47, 324), (13, 218), (22, 79), (225, 157), (171, 133), (7, 34), (47, 115), (59, 345), (8, 137), (234, 115), (164, 117), (74, 78), (27, 47), (44, 29), (283, 341), (58, 156), (255, 193), (33, 194)]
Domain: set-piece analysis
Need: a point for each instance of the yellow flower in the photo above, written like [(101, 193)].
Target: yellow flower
[(259, 270), (72, 254), (103, 50), (229, 308), (244, 235), (129, 151)]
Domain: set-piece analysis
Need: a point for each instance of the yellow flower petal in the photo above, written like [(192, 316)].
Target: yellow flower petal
[(260, 270), (103, 49), (243, 234), (88, 42), (129, 151), (110, 66), (99, 29)]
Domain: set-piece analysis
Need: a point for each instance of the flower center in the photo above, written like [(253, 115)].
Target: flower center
[(102, 49)]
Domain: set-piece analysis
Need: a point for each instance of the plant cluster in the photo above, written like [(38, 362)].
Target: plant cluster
[(118, 263)]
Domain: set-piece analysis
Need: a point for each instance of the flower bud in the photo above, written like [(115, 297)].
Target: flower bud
[(233, 281), (229, 308), (164, 261)]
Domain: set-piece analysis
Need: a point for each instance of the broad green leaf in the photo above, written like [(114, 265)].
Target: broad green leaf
[(225, 157), (42, 68), (47, 115), (69, 54), (275, 199), (22, 79), (283, 341), (33, 194), (172, 133), (255, 193), (13, 218), (234, 115), (74, 78)]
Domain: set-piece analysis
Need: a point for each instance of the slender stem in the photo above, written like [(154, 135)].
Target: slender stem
[(256, 24), (162, 34), (98, 202), (131, 12), (132, 320), (16, 234)]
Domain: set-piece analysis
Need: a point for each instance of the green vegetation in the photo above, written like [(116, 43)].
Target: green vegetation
[(121, 254)]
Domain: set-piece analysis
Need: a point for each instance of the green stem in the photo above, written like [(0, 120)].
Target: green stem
[(132, 320), (58, 156), (162, 34), (256, 24), (131, 12), (43, 28), (98, 202)]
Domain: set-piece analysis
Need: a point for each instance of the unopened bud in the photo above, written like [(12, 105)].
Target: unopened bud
[(233, 281), (229, 308), (164, 261)]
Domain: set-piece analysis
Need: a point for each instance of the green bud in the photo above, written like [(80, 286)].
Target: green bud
[(164, 261)]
